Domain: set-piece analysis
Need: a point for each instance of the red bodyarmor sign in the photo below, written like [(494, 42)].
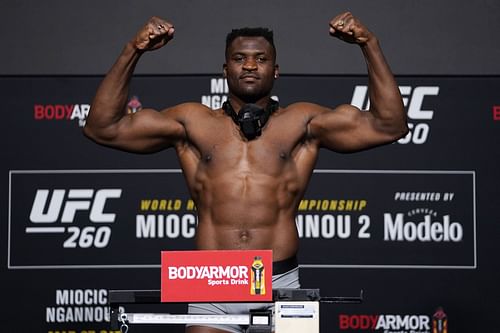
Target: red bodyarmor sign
[(216, 276)]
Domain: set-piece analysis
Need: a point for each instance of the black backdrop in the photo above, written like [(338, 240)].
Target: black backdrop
[(364, 223), (446, 37)]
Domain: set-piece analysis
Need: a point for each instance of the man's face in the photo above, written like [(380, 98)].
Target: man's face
[(250, 68)]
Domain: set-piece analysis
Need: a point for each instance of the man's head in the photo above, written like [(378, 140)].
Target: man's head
[(251, 32), (250, 66)]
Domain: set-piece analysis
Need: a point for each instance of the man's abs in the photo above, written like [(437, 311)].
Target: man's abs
[(247, 212), (281, 236), (247, 192)]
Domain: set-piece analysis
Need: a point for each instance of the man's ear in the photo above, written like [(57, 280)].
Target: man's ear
[(276, 71), (224, 70)]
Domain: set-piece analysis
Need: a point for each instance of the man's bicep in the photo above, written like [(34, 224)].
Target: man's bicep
[(166, 123), (333, 127), (149, 130), (345, 129)]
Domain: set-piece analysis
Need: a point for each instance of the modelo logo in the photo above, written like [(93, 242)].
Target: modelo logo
[(413, 99), (63, 206), (77, 199), (397, 229)]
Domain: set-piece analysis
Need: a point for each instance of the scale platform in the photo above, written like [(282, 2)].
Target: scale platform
[(296, 310)]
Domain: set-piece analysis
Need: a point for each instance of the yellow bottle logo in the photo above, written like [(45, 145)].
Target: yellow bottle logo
[(258, 282)]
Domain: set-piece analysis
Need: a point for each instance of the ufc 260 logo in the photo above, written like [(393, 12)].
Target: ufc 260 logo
[(55, 212), (413, 100)]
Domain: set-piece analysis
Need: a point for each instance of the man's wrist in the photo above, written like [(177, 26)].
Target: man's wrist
[(371, 42), (131, 48)]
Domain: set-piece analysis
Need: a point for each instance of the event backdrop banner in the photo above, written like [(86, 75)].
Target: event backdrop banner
[(413, 225)]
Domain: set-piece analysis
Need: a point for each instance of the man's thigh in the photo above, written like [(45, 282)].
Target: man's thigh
[(205, 329), (223, 309)]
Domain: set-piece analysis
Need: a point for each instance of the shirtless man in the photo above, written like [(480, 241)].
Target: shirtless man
[(247, 186)]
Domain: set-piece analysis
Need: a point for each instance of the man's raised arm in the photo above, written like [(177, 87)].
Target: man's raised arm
[(108, 122), (348, 129)]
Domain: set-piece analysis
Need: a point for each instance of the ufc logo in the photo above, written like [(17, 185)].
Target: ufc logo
[(62, 207), (412, 99)]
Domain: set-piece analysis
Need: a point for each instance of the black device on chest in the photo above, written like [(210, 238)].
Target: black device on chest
[(251, 118)]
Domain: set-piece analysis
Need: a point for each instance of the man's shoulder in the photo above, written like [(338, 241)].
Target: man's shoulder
[(192, 106), (188, 109), (302, 108)]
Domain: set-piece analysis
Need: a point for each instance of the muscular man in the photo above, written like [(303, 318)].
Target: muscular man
[(247, 186)]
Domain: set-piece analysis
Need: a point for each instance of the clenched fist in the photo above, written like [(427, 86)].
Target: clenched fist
[(349, 29), (155, 34)]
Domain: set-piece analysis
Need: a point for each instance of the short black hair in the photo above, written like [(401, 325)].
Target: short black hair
[(251, 32)]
